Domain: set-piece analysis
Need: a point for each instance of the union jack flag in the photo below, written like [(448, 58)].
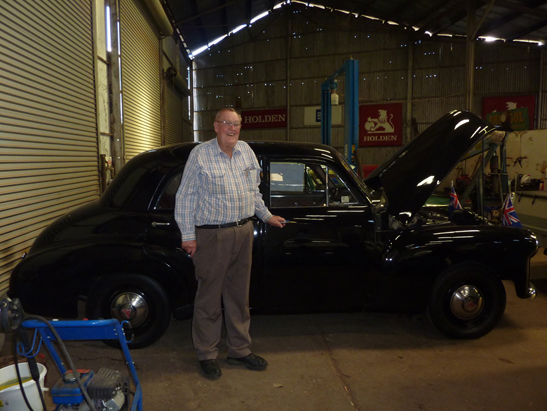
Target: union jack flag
[(509, 216), (454, 202)]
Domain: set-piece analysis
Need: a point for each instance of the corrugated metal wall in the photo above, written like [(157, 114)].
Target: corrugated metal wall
[(187, 126), (48, 132), (542, 118), (185, 68), (438, 81), (251, 73), (141, 76), (248, 74), (173, 114), (511, 69), (176, 118)]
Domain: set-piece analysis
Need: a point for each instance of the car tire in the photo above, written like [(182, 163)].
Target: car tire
[(467, 302), (134, 298)]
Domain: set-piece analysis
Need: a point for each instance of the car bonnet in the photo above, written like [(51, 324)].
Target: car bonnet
[(414, 172)]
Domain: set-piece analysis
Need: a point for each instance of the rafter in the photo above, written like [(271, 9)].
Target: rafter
[(224, 17), (200, 21), (526, 31), (430, 14), (453, 14), (494, 25), (537, 12), (399, 11), (201, 32), (205, 12)]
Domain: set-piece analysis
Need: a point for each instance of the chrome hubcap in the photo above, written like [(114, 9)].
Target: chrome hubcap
[(466, 302), (130, 307)]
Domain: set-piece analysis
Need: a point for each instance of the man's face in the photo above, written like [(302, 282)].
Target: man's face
[(227, 135)]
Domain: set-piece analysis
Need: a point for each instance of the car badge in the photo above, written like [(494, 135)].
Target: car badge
[(127, 311)]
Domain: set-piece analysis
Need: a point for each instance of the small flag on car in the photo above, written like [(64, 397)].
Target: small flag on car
[(509, 216), (454, 202)]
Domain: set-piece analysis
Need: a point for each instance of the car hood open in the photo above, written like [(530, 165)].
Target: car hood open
[(414, 172)]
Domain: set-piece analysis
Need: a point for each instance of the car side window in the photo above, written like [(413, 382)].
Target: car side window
[(295, 184), (339, 193), (166, 200)]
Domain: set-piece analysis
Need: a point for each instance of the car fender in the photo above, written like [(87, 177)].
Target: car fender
[(426, 253), (45, 285)]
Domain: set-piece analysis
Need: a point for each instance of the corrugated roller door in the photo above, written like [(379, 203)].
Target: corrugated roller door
[(187, 129), (173, 114), (48, 136), (140, 79)]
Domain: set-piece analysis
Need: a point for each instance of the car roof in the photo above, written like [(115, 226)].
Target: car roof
[(139, 177), (268, 148)]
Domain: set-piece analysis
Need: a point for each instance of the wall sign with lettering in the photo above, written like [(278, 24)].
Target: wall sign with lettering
[(381, 125), (264, 118), (516, 112)]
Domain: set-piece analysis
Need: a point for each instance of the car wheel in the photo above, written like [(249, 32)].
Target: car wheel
[(466, 302), (134, 298)]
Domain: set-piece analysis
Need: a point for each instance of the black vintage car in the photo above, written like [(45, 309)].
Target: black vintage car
[(339, 250)]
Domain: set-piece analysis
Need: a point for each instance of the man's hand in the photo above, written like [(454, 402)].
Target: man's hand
[(190, 247), (277, 221)]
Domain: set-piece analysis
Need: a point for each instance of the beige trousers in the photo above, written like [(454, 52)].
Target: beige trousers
[(223, 270)]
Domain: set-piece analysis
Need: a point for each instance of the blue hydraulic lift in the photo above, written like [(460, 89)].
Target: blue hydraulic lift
[(351, 108)]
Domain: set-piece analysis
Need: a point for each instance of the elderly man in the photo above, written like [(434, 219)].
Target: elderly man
[(216, 199)]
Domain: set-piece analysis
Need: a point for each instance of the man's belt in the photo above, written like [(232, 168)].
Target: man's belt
[(234, 224)]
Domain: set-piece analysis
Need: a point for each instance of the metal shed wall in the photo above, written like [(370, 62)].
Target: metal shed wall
[(249, 70), (48, 130), (542, 103), (176, 120), (185, 69), (438, 81), (140, 51), (173, 114)]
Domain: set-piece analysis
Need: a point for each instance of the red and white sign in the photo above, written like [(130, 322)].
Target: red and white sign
[(381, 125), (501, 104), (264, 118)]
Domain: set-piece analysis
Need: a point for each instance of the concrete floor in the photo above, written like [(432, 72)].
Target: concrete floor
[(362, 361)]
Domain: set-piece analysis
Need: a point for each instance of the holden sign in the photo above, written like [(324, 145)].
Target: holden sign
[(381, 125), (264, 118)]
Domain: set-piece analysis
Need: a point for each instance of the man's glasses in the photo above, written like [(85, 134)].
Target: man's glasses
[(229, 123)]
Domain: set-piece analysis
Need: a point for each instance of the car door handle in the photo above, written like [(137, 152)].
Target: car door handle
[(155, 224)]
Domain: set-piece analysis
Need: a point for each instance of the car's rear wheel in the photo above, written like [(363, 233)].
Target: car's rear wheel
[(466, 302), (134, 298)]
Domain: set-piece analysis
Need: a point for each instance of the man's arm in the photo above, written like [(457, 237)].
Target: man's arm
[(185, 203)]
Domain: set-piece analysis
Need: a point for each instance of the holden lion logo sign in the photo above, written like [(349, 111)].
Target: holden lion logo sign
[(381, 125)]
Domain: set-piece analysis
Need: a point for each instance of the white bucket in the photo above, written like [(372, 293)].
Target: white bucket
[(11, 398)]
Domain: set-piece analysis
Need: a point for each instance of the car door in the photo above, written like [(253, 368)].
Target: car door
[(318, 261), (163, 239)]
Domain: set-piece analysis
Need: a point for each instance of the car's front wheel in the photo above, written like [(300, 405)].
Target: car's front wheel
[(134, 298), (466, 302)]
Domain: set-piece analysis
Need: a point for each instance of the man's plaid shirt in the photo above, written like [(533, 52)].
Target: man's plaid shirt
[(217, 189)]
